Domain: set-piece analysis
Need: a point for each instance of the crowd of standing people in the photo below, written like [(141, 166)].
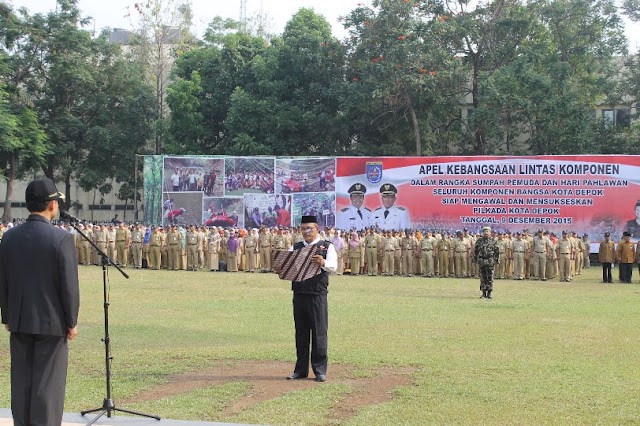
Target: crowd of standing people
[(539, 255), (193, 179)]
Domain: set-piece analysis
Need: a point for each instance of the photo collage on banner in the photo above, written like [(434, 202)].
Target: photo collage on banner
[(311, 183), (152, 181)]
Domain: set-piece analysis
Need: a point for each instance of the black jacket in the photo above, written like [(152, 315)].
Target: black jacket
[(39, 291), (317, 285)]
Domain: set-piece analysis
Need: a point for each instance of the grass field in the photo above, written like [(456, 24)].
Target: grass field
[(538, 353)]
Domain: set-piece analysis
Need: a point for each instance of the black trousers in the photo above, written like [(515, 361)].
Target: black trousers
[(38, 378), (626, 269), (311, 318), (606, 272)]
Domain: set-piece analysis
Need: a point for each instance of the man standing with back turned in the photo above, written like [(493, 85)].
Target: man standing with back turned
[(39, 299), (310, 308)]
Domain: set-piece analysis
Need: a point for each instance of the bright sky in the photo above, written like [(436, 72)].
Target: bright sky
[(112, 13)]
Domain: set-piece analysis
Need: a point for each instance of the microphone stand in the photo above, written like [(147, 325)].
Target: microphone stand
[(108, 405)]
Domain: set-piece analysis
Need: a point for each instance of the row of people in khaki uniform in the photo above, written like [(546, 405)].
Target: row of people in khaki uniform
[(387, 252), (443, 255), (174, 248), (187, 249)]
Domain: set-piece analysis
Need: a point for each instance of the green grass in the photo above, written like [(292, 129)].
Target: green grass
[(539, 353)]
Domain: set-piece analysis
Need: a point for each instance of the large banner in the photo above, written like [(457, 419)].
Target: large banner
[(585, 194), (590, 194)]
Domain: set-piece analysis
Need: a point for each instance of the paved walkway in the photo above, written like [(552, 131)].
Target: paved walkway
[(75, 419)]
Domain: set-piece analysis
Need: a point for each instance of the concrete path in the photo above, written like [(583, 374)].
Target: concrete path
[(75, 419)]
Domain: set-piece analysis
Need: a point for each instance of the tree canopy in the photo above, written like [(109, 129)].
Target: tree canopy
[(413, 77)]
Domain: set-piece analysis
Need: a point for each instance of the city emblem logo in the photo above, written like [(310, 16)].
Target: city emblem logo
[(374, 172)]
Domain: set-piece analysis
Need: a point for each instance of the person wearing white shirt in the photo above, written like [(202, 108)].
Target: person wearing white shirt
[(310, 307), (355, 217), (175, 181), (389, 216)]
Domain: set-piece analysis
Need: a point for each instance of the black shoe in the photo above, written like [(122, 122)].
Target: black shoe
[(296, 376), (321, 378), (489, 295)]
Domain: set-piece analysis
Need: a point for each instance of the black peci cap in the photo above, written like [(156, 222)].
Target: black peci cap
[(43, 190), (308, 219)]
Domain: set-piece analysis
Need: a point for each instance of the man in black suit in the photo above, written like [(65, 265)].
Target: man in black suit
[(39, 300)]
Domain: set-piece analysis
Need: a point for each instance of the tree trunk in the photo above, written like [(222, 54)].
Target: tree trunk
[(481, 141), (416, 129), (67, 191), (11, 177), (94, 203)]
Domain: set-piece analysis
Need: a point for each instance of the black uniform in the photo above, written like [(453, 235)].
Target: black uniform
[(311, 317), (39, 299)]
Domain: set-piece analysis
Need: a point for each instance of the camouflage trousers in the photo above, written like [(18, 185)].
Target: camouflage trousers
[(486, 278)]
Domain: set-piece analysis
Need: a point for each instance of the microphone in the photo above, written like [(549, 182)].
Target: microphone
[(65, 215)]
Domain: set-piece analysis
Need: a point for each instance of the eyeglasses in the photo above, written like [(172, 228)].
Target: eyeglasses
[(307, 228)]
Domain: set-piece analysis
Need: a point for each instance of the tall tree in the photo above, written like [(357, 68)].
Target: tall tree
[(205, 79), (162, 34), (403, 76), (90, 101), (22, 140), (291, 105), (536, 69)]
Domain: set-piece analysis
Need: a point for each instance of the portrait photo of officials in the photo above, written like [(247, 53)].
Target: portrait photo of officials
[(389, 216), (356, 216), (633, 225)]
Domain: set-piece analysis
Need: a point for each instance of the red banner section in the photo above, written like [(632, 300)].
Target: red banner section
[(585, 194)]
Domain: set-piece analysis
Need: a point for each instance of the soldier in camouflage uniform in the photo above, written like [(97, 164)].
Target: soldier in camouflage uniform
[(486, 255)]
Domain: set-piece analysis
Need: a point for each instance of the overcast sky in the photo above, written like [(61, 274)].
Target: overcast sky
[(112, 13)]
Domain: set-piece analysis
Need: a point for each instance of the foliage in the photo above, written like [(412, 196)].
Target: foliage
[(82, 95), (162, 34), (405, 81), (200, 96), (22, 140), (414, 77)]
